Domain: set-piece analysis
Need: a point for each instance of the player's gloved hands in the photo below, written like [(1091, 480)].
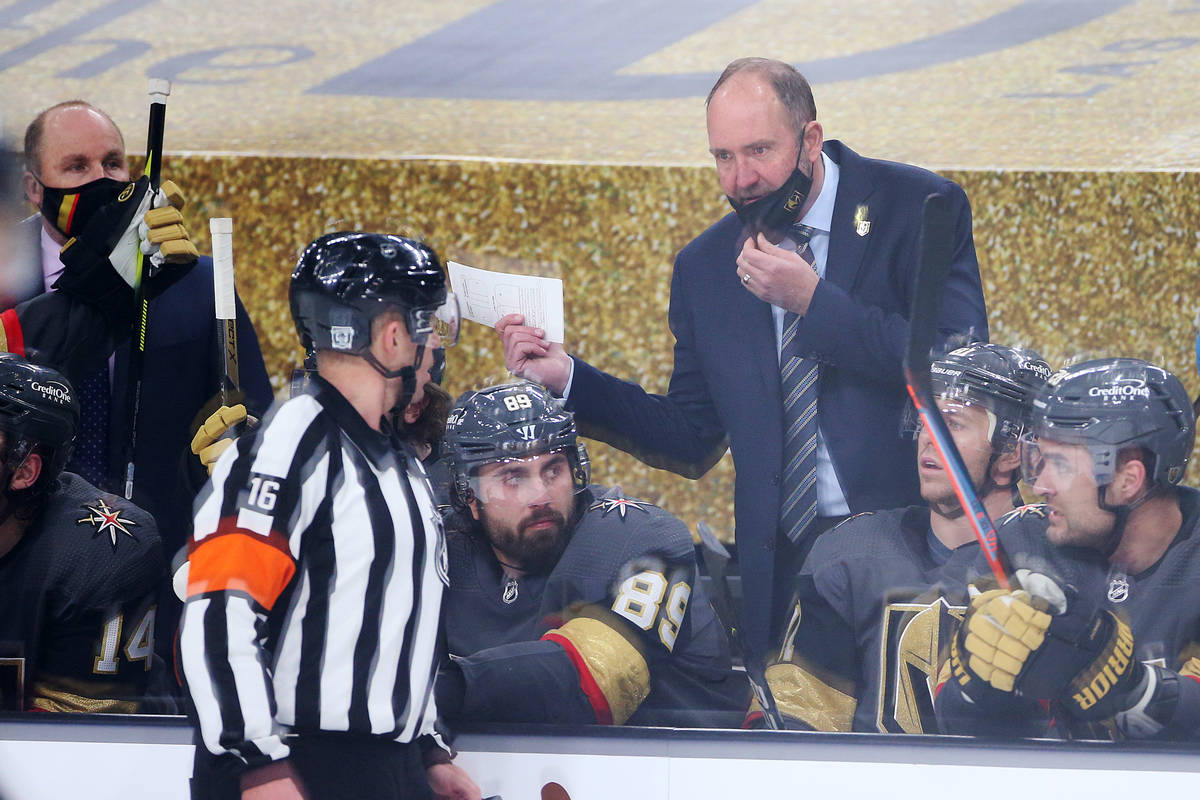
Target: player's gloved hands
[(208, 444), (972, 667), (102, 259), (1044, 641)]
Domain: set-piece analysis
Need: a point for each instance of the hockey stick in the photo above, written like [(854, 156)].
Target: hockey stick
[(715, 559), (936, 254), (226, 307), (159, 89)]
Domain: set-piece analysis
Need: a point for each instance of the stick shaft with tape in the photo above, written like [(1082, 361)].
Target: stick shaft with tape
[(221, 229), (159, 89)]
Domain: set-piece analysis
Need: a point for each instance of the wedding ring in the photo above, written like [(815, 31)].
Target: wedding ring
[(746, 278)]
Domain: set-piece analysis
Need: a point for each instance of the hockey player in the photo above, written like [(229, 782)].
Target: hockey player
[(78, 567), (1103, 624), (310, 632), (880, 593), (568, 603)]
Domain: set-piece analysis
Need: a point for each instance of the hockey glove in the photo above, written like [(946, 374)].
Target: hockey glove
[(972, 667), (211, 441), (102, 259), (1051, 645)]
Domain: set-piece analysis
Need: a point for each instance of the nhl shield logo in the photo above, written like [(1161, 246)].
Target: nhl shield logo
[(862, 225), (1118, 589), (511, 590)]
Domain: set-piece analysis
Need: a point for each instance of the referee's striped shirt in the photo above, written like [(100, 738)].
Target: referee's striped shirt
[(314, 586)]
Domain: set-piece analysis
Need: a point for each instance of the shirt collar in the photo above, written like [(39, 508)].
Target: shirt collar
[(820, 216), (52, 266)]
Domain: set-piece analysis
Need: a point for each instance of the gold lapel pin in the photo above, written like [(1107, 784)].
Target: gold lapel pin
[(862, 225)]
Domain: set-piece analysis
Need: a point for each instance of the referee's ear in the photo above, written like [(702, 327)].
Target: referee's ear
[(27, 473), (391, 342)]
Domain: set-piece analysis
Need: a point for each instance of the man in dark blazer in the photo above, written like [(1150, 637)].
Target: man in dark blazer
[(729, 292), (73, 145)]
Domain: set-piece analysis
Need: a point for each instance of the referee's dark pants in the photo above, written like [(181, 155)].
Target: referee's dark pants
[(332, 766), (789, 558)]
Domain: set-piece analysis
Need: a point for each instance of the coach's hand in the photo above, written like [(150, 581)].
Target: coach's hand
[(102, 259), (164, 238), (530, 355), (776, 275)]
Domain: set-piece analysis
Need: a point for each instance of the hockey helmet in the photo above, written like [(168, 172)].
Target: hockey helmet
[(1000, 379), (508, 422), (344, 280), (37, 407), (1109, 405)]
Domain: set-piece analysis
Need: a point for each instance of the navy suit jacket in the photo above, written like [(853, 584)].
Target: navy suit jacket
[(182, 373), (725, 388)]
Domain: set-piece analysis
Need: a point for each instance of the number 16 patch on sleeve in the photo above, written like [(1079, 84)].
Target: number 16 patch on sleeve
[(245, 554)]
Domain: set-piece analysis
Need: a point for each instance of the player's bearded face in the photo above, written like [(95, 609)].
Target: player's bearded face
[(970, 427), (523, 505), (1063, 474)]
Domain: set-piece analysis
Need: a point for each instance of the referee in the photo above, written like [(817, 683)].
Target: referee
[(318, 561)]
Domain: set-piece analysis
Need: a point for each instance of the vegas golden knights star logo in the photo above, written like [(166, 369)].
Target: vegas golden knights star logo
[(915, 640)]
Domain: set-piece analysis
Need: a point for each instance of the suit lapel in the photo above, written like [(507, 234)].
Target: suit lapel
[(846, 247), (750, 319)]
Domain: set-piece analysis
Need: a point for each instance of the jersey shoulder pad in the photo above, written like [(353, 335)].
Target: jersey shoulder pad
[(105, 547), (867, 535), (638, 525)]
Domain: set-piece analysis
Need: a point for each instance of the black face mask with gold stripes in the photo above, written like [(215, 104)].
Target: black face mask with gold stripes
[(70, 209)]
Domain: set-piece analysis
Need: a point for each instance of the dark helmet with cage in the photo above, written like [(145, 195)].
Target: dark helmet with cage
[(506, 423), (38, 413), (343, 281), (1111, 405), (999, 379)]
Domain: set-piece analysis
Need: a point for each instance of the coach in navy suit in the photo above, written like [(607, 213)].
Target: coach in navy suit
[(73, 145), (729, 293)]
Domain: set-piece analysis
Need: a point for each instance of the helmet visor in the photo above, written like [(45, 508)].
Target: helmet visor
[(526, 479), (441, 320), (971, 426), (1059, 466)]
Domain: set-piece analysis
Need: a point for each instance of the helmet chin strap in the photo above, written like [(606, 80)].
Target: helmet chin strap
[(1122, 515), (407, 376)]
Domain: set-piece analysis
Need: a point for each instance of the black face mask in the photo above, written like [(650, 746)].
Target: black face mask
[(69, 210), (775, 212)]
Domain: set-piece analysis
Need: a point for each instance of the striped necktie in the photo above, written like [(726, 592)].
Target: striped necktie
[(798, 380)]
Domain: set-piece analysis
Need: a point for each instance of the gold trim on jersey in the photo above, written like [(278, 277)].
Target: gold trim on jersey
[(618, 668), (64, 694), (804, 696), (914, 640)]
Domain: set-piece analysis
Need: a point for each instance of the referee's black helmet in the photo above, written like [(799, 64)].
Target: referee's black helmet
[(344, 280)]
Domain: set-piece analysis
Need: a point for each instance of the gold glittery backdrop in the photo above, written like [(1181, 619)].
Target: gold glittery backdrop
[(1073, 264)]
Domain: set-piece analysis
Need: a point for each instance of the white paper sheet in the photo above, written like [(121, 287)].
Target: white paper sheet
[(485, 296)]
